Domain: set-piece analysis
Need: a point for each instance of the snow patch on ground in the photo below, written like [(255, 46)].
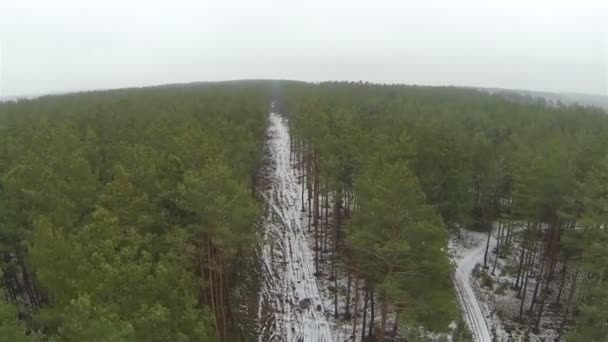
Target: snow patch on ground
[(290, 306)]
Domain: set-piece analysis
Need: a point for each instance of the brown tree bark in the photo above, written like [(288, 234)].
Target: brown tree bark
[(356, 303), (372, 317), (363, 323), (383, 316), (498, 240), (348, 286)]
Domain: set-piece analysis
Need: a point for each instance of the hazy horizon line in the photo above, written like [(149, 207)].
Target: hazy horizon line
[(152, 85)]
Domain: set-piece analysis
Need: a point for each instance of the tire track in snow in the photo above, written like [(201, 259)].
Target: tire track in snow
[(466, 295), (290, 307)]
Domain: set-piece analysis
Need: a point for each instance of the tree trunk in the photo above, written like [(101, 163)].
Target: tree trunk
[(363, 323), (384, 314), (338, 215), (498, 239), (395, 325), (222, 304), (524, 272), (212, 286), (302, 193), (309, 175), (347, 309), (205, 299), (326, 221), (485, 256), (372, 317), (27, 279), (522, 257), (521, 263), (525, 287), (539, 280), (336, 314), (553, 253), (540, 311), (316, 239), (509, 234), (561, 284), (356, 308), (568, 304)]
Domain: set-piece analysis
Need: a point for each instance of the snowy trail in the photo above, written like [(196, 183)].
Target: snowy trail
[(468, 300), (290, 307)]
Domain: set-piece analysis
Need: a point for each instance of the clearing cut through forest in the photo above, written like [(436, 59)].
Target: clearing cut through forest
[(290, 307)]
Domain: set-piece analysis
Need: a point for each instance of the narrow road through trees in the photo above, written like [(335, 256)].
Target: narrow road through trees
[(471, 307)]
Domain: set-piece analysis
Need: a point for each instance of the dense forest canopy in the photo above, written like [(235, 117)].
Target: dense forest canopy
[(126, 214), (131, 215), (478, 159)]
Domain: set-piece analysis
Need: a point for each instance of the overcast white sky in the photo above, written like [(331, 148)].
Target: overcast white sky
[(61, 45)]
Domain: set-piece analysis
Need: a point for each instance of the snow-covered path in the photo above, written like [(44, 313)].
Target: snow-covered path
[(473, 313), (290, 308)]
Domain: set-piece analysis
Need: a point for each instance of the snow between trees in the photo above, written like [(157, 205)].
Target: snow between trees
[(290, 308)]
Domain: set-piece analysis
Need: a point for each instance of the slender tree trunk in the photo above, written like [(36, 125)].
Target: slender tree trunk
[(205, 299), (227, 298), (290, 149), (302, 193), (485, 255), (525, 287), (309, 213), (540, 311), (562, 324), (347, 206), (531, 255), (27, 279), (384, 314), (336, 314), (10, 286), (316, 224), (222, 305), (348, 283), (212, 286), (521, 263), (524, 273), (561, 284), (498, 240), (326, 221), (539, 280), (553, 253), (322, 230), (356, 308), (309, 176), (316, 198), (372, 316), (509, 233), (363, 323), (338, 216), (522, 257), (395, 325)]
